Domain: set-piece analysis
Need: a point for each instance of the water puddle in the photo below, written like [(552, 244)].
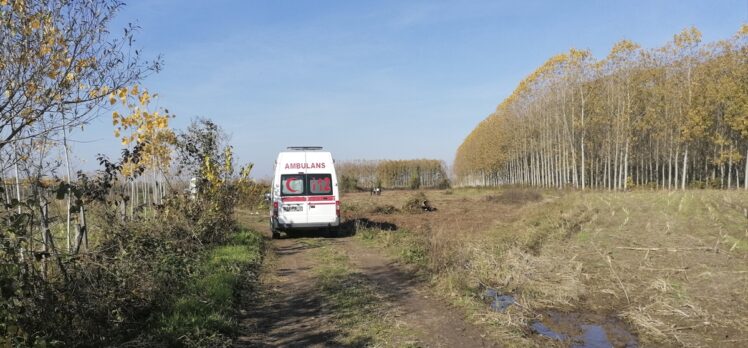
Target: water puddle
[(545, 331), (579, 330), (584, 330), (499, 302)]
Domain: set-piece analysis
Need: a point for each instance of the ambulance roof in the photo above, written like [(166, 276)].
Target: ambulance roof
[(304, 148)]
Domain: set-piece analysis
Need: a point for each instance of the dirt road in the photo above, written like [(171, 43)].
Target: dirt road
[(293, 311)]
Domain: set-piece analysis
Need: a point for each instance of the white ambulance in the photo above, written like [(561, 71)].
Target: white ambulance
[(304, 193)]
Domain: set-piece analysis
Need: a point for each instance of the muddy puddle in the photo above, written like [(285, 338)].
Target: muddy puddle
[(498, 301), (579, 330), (583, 330)]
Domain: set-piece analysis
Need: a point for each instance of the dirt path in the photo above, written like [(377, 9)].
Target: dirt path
[(292, 313), (435, 323)]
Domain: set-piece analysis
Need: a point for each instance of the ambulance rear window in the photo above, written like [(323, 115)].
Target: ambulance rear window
[(319, 184), (292, 185)]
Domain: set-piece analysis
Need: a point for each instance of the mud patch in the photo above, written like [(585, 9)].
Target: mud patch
[(542, 330), (584, 330)]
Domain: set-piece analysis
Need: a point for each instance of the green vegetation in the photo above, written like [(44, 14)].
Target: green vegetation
[(204, 315), (162, 271)]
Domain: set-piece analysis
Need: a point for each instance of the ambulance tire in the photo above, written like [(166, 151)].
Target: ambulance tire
[(276, 234)]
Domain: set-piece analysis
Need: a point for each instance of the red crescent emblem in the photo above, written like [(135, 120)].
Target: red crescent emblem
[(288, 186)]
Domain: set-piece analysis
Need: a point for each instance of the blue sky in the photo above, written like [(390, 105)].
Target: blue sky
[(371, 79)]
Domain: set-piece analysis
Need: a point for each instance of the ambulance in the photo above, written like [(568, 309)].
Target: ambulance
[(304, 193)]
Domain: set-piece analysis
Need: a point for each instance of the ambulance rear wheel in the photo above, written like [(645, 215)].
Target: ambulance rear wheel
[(276, 235)]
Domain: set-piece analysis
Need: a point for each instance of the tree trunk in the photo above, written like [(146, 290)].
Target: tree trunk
[(626, 167), (18, 180), (685, 169), (729, 170), (132, 200), (582, 142), (675, 164)]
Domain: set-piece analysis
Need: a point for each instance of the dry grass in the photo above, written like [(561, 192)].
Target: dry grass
[(515, 196), (671, 264)]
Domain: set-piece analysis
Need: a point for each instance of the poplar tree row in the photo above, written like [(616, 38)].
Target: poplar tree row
[(421, 173), (669, 118)]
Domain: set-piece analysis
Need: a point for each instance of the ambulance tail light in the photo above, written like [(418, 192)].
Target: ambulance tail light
[(337, 208), (275, 209)]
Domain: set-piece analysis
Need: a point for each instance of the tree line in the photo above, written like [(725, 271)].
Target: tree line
[(392, 174), (670, 117)]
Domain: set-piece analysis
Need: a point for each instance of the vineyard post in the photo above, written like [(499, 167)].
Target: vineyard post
[(83, 230), (67, 166), (45, 236), (50, 250)]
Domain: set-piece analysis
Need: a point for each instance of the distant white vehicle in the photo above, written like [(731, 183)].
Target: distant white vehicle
[(304, 193), (193, 188)]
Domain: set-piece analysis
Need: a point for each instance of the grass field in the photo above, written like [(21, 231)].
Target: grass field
[(669, 267)]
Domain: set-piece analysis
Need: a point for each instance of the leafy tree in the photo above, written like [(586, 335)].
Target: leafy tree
[(202, 140), (666, 117), (58, 62)]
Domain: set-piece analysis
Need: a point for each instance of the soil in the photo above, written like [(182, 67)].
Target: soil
[(291, 313), (436, 323)]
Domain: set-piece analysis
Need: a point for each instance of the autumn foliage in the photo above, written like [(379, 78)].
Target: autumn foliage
[(107, 257), (668, 117)]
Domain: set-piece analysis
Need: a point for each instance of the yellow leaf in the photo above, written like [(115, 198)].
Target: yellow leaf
[(145, 98)]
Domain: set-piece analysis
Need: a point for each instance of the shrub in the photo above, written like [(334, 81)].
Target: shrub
[(348, 184), (415, 203), (384, 209)]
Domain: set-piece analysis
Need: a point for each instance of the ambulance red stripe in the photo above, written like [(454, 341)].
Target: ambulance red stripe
[(294, 199), (308, 198)]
